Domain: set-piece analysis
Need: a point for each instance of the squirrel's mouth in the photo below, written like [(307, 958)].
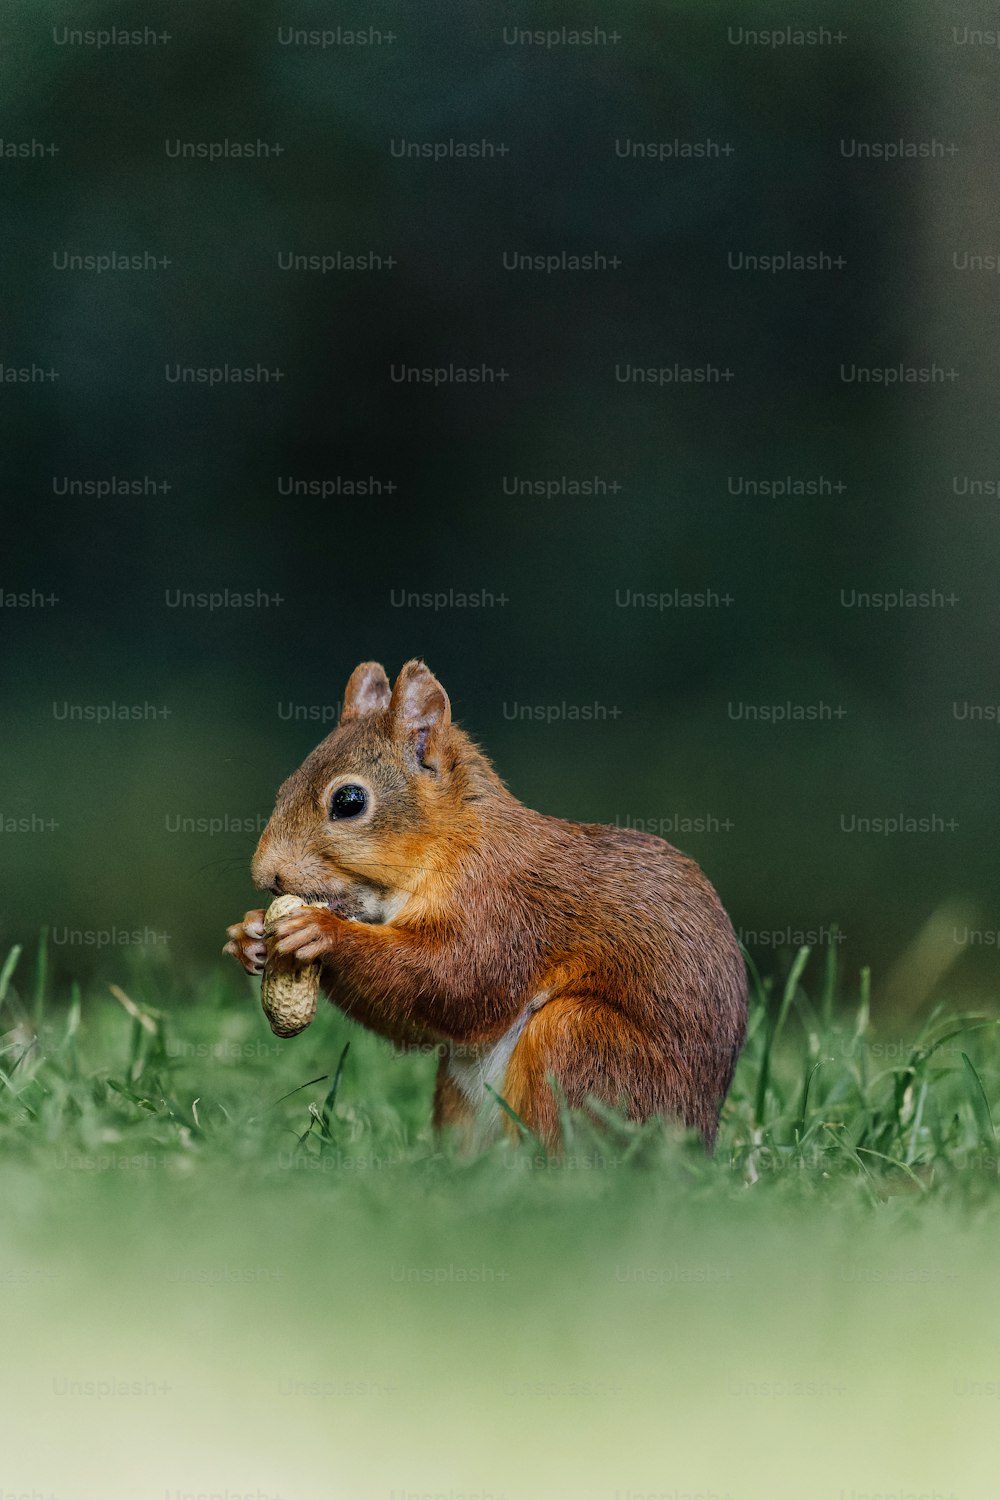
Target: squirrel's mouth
[(342, 903)]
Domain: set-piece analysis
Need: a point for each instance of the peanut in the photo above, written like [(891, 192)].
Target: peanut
[(288, 990)]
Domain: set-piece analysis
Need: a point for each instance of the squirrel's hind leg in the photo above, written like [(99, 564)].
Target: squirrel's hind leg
[(592, 1050), (453, 1114)]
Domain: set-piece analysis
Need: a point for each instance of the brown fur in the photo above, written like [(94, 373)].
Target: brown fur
[(616, 937)]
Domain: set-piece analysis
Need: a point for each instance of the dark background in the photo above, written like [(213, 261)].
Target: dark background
[(771, 798)]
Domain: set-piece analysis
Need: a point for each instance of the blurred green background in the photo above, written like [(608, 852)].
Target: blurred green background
[(200, 1291), (762, 805)]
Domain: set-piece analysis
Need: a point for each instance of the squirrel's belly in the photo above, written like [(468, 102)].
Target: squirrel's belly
[(474, 1065)]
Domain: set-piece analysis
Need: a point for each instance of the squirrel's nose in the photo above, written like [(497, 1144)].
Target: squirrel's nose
[(263, 872), (272, 859), (264, 880)]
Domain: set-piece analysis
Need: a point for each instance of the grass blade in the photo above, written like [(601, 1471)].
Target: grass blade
[(298, 1089), (980, 1103), (788, 994), (829, 989), (525, 1130), (9, 965), (328, 1102), (41, 974)]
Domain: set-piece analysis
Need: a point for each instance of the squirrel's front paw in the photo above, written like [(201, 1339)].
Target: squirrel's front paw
[(308, 933), (246, 942)]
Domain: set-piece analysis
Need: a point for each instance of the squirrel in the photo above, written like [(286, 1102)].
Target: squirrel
[(544, 960)]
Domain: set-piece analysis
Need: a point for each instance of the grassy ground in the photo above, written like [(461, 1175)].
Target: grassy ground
[(237, 1266)]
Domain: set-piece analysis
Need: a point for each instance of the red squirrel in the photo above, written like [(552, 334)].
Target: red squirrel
[(540, 957)]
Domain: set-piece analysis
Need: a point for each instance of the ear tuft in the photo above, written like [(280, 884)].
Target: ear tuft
[(422, 709), (367, 690)]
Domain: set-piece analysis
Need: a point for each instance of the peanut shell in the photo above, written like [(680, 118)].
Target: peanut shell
[(289, 989)]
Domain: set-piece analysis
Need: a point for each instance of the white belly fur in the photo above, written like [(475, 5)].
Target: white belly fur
[(473, 1067)]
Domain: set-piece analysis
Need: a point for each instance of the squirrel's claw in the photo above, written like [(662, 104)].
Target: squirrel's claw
[(308, 933), (246, 942)]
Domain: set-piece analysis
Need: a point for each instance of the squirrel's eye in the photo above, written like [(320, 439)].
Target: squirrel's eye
[(348, 801)]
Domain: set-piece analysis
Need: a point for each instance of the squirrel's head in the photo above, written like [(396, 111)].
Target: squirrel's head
[(360, 823)]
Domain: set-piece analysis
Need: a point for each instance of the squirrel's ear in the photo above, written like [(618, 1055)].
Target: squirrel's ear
[(421, 708), (367, 689)]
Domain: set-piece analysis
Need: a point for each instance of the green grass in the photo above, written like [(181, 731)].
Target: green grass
[(336, 1304), (821, 1102)]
